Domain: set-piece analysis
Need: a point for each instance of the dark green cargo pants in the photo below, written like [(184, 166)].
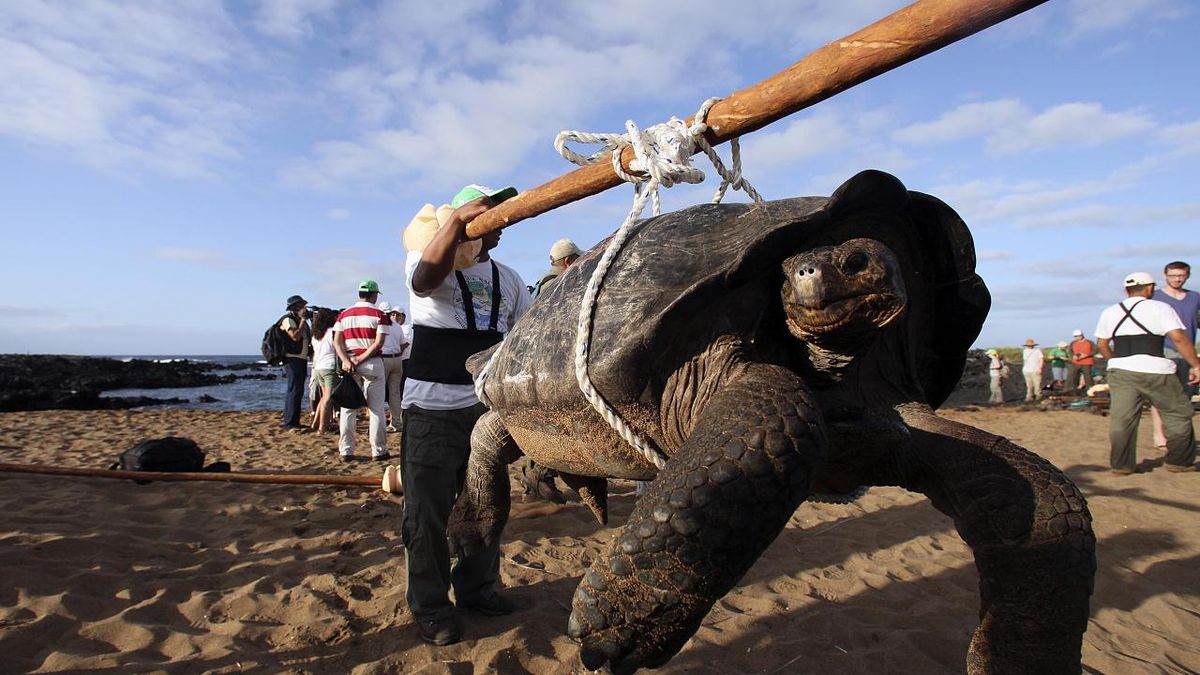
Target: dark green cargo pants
[(1127, 391), (435, 446)]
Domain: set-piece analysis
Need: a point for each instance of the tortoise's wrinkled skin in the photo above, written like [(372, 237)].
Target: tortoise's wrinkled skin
[(777, 352)]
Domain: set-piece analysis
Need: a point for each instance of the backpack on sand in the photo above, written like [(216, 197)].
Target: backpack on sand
[(276, 344), (172, 453)]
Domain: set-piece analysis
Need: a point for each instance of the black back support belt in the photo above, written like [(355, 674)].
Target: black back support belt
[(1130, 345), (440, 354)]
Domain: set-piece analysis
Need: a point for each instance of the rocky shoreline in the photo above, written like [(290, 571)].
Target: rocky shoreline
[(53, 382)]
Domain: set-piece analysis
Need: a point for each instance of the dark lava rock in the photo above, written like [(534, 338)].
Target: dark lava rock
[(49, 382)]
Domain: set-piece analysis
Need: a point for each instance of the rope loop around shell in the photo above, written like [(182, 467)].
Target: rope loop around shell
[(662, 158)]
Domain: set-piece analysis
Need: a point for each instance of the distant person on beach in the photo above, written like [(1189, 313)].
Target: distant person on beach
[(562, 254), (1131, 336), (359, 334), (295, 364), (997, 371), (1031, 367), (461, 304), (1187, 305), (324, 368), (1083, 358), (395, 351), (1058, 365)]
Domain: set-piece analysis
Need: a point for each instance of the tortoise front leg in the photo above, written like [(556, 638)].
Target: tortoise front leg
[(482, 508), (712, 510), (1031, 533)]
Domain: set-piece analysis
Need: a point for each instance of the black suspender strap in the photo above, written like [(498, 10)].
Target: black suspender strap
[(495, 296), (1129, 315), (468, 301)]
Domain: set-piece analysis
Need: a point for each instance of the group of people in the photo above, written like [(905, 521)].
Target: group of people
[(1148, 342), (458, 309), (369, 341), (1073, 368)]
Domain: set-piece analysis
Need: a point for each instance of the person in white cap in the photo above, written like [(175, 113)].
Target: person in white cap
[(997, 370), (1083, 357), (1131, 336), (562, 254), (1031, 368), (394, 352)]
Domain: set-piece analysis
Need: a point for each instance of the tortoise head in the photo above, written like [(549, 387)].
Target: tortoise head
[(841, 297)]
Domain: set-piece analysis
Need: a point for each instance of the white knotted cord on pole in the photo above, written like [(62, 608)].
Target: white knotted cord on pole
[(662, 157)]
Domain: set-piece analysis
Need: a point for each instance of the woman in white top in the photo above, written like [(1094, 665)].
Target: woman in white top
[(324, 368)]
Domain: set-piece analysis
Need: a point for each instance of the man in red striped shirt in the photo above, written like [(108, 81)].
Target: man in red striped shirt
[(358, 339)]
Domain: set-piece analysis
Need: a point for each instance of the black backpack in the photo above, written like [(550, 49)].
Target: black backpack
[(276, 344), (172, 453)]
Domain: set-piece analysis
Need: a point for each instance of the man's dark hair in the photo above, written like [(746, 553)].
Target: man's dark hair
[(1130, 290), (1178, 265), (363, 295)]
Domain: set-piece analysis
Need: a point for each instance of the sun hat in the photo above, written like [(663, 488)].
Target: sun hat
[(563, 248), (368, 286), (992, 352), (475, 191), (1030, 343), (295, 300), (1138, 279), (1062, 345)]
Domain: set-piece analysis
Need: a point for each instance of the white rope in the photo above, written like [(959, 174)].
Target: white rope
[(662, 157)]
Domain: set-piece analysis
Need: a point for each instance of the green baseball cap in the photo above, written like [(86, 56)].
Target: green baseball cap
[(368, 286), (474, 191)]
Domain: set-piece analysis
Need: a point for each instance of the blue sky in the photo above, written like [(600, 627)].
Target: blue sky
[(172, 171)]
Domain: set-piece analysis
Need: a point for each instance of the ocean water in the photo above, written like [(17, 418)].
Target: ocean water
[(241, 394)]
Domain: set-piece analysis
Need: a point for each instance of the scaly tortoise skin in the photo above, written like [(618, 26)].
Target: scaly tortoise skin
[(775, 352)]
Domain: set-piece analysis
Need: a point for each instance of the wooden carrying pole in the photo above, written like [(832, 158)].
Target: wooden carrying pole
[(910, 33), (283, 478)]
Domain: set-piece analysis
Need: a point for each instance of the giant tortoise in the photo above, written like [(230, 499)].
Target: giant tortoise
[(773, 353)]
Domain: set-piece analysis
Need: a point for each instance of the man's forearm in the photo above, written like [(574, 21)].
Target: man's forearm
[(1186, 349), (437, 260), (374, 349), (1105, 349)]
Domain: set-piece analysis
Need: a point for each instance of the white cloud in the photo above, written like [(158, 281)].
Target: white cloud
[(1009, 126), (338, 214), (965, 121), (1097, 16), (994, 254), (1069, 124), (290, 19), (482, 85), (122, 86)]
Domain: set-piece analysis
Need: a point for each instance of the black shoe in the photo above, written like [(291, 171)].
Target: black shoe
[(347, 458), (440, 632), (382, 458), (493, 605)]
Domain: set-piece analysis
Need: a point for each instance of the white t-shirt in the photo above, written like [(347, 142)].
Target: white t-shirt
[(324, 356), (1033, 360), (443, 308), (1157, 316), (397, 340)]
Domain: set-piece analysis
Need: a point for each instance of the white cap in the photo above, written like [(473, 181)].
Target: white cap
[(1077, 333), (563, 248), (1138, 279), (383, 307)]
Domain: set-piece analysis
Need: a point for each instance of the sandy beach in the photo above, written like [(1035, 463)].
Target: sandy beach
[(109, 576)]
